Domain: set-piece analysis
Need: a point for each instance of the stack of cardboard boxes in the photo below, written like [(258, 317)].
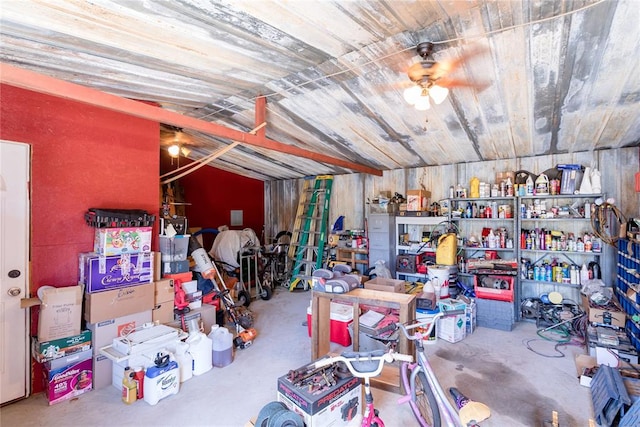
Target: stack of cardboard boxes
[(61, 346), (119, 290)]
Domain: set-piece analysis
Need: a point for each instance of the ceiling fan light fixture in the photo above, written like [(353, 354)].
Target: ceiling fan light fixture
[(411, 94), (422, 103), (185, 151), (174, 150), (438, 93)]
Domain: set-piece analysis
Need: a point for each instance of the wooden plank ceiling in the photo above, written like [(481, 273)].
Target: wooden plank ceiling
[(551, 76)]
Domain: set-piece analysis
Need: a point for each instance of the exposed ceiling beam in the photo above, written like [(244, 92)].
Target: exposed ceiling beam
[(30, 80)]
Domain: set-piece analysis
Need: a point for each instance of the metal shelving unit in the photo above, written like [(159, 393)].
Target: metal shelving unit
[(414, 226), (570, 217), (504, 216)]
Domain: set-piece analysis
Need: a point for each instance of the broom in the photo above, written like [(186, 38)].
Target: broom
[(470, 412)]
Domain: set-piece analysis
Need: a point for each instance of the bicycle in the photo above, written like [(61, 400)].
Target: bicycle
[(424, 393), (366, 365)]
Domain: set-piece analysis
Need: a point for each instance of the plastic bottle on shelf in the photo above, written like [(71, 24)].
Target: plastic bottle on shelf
[(474, 188), (529, 186), (584, 274), (509, 186), (491, 238)]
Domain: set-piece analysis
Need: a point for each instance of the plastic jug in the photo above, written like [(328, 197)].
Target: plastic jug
[(222, 348), (200, 347), (542, 185), (446, 250), (474, 187), (185, 361)]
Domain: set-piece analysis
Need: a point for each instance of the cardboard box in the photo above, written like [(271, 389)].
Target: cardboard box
[(387, 285), (163, 312), (68, 377), (105, 331), (599, 316), (164, 291), (418, 200), (102, 370), (108, 305), (60, 313), (452, 328), (335, 406), (584, 366), (49, 350), (116, 241), (104, 273)]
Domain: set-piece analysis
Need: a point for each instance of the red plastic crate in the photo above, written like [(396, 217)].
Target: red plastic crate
[(488, 287)]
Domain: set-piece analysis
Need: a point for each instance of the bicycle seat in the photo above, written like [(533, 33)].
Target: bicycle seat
[(363, 362)]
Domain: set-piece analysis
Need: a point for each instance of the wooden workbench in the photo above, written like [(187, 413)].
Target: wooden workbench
[(389, 379)]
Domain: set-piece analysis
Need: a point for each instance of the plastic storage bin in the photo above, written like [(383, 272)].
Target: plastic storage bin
[(341, 317), (174, 248)]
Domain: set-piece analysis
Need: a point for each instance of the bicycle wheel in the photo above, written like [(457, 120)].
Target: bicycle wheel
[(426, 405)]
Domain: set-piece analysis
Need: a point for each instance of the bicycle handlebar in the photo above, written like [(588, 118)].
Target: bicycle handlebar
[(427, 322), (364, 364)]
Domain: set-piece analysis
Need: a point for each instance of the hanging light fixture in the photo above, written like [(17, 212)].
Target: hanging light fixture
[(422, 103), (174, 150), (418, 95), (438, 93)]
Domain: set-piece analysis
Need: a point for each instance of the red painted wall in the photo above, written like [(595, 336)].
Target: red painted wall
[(214, 193), (82, 157)]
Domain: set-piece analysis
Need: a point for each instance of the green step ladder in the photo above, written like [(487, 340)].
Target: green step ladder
[(309, 234)]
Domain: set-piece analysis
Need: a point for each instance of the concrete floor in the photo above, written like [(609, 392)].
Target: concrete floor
[(490, 366)]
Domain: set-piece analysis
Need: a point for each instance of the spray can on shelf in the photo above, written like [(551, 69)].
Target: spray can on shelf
[(584, 274), (128, 386)]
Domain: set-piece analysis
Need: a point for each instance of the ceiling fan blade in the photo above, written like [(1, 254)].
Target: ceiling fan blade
[(395, 86), (450, 83), (452, 64)]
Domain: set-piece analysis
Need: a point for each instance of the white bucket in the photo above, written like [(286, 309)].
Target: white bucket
[(439, 276), (200, 347)]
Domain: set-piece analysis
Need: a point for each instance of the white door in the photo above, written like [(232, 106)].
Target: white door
[(14, 269)]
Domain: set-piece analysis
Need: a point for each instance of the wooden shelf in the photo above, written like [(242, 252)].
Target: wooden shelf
[(350, 255), (390, 379)]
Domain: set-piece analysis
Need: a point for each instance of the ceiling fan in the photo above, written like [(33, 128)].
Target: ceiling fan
[(176, 141), (431, 78)]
